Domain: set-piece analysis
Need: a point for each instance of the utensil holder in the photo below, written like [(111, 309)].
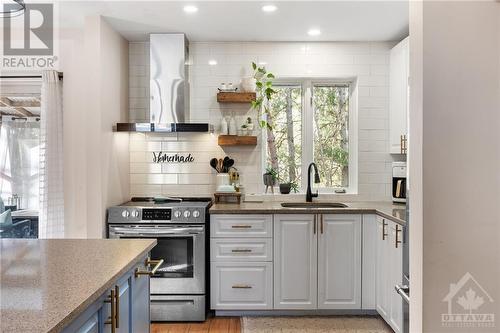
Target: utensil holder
[(222, 179)]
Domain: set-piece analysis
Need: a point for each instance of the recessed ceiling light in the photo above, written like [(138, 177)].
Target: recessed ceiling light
[(212, 62), (190, 9), (269, 8), (314, 32)]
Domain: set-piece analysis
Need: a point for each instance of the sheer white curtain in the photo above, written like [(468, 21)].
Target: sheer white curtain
[(51, 219)]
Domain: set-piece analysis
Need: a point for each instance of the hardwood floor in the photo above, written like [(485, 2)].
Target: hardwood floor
[(212, 325)]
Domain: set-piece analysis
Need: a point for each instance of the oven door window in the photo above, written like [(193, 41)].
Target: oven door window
[(177, 253)]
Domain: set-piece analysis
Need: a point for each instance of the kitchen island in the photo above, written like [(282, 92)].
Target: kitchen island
[(48, 285)]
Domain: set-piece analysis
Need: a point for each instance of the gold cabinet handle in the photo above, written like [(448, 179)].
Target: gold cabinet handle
[(148, 263), (397, 240), (117, 306), (403, 144), (112, 318), (241, 226), (241, 250), (384, 233), (321, 225), (241, 286), (314, 224)]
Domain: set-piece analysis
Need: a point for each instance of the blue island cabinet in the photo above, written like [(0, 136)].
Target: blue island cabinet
[(122, 309)]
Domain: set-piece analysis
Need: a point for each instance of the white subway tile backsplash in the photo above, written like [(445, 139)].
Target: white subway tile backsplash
[(368, 62)]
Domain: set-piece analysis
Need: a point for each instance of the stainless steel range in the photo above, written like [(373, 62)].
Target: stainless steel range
[(178, 287)]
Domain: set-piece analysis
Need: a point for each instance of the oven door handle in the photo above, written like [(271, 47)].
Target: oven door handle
[(157, 232)]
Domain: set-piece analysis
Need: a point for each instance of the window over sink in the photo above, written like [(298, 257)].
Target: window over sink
[(313, 121)]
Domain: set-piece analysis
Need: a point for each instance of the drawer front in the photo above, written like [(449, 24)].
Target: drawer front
[(241, 226), (241, 286), (241, 249)]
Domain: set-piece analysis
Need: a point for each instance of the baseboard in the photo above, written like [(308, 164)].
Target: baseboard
[(250, 313)]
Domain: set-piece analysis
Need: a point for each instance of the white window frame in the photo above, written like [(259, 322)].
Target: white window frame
[(308, 130)]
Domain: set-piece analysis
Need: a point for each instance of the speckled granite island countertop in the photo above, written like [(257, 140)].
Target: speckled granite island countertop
[(46, 284), (386, 209)]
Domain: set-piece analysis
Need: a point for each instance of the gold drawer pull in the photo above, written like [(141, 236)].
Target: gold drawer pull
[(242, 286), (148, 263), (241, 250), (241, 226)]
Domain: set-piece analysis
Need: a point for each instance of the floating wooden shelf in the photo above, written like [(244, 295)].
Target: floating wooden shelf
[(235, 140), (235, 97)]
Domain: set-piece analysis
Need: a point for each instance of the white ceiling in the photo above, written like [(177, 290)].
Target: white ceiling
[(245, 21)]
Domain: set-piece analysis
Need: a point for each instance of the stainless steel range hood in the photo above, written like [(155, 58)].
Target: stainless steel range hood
[(169, 88)]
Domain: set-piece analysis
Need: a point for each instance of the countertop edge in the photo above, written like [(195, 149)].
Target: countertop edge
[(353, 210), (95, 296)]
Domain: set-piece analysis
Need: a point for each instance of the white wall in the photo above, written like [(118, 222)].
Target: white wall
[(95, 66), (460, 183), (367, 62)]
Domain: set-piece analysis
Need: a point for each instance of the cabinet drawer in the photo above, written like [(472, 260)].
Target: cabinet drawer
[(241, 226), (241, 286), (241, 249)]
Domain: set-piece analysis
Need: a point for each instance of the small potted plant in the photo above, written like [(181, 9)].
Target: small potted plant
[(286, 188), (269, 178)]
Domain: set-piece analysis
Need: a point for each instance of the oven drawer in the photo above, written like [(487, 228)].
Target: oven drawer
[(241, 286), (177, 308), (234, 225), (241, 249)]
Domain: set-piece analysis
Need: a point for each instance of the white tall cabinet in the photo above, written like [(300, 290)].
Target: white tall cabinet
[(398, 97), (389, 273), (295, 261)]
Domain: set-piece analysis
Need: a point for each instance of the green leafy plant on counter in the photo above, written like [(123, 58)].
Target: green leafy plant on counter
[(265, 92)]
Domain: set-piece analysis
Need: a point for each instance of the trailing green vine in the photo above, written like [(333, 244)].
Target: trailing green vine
[(265, 91)]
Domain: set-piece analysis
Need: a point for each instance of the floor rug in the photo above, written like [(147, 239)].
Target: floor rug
[(330, 324)]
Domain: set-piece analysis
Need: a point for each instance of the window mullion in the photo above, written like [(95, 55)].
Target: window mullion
[(308, 126)]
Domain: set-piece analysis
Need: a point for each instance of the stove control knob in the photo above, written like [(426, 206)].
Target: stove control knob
[(177, 213), (187, 214), (135, 213), (196, 214), (125, 214)]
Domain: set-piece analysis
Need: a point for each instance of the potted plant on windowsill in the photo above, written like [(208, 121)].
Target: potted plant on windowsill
[(286, 188), (270, 177)]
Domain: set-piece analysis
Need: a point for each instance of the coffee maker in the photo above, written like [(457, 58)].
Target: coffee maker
[(399, 182)]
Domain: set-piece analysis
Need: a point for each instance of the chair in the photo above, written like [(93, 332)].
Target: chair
[(8, 229)]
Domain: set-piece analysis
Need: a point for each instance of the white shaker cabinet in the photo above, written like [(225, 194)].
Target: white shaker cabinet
[(389, 273), (398, 97), (396, 276), (295, 261), (339, 261), (383, 268)]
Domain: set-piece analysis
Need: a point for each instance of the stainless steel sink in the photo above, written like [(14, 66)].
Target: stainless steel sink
[(313, 205)]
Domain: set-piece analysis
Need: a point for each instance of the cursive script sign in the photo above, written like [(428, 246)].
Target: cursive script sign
[(161, 157)]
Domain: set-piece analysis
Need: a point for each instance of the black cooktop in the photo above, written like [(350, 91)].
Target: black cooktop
[(170, 199)]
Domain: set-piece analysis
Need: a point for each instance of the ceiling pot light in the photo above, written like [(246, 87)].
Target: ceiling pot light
[(269, 8), (212, 62), (190, 9), (12, 8), (314, 32)]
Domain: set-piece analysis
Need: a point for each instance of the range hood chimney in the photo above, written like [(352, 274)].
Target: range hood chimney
[(168, 87)]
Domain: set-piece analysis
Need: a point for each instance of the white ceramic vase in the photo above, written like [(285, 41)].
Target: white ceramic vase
[(248, 84)]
